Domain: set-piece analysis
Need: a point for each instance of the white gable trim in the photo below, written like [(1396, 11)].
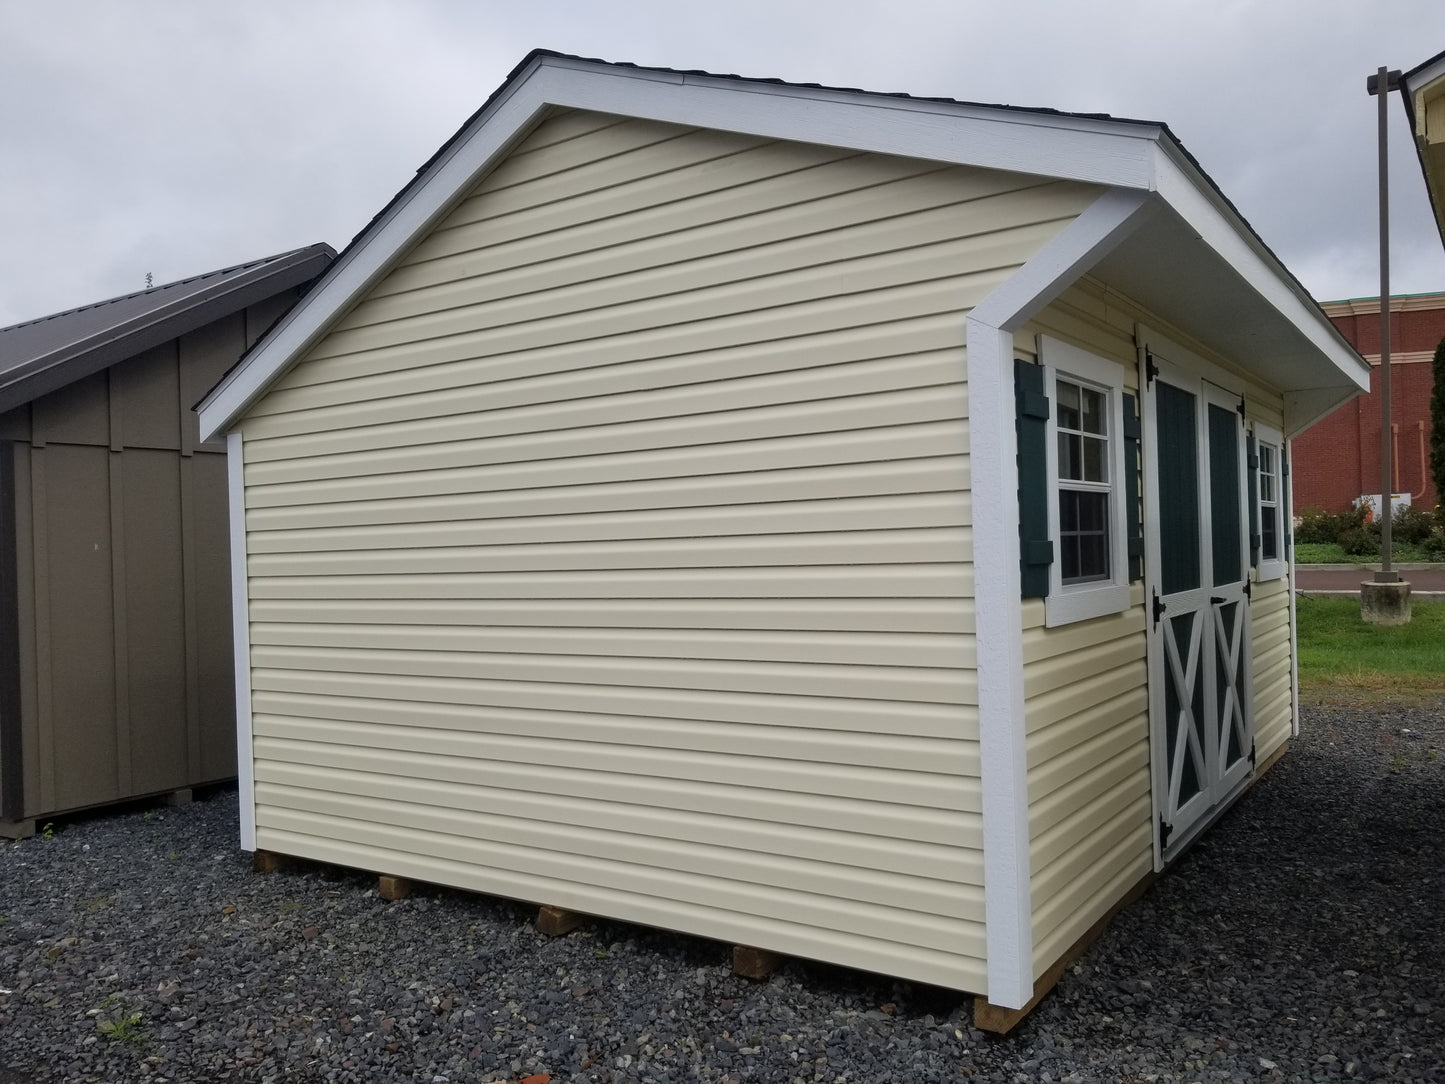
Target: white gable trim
[(1115, 153), (993, 448)]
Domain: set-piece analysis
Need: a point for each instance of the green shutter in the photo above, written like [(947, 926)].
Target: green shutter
[(1251, 463), (1131, 487), (1031, 422)]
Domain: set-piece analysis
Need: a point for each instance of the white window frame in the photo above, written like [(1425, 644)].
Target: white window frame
[(1067, 603), (1267, 436)]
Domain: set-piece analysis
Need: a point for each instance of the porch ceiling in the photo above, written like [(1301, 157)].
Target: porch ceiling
[(1168, 268)]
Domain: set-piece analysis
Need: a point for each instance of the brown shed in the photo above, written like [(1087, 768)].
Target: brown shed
[(115, 634)]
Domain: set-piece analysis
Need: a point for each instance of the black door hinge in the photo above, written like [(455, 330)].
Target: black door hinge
[(1241, 408), (1165, 830), (1252, 763), (1151, 369), (1158, 609), (1248, 590)]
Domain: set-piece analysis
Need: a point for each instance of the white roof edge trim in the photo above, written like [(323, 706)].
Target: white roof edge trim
[(1221, 228), (855, 98), (1110, 153), (1421, 78)]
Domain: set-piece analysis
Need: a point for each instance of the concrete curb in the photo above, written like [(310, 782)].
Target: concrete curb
[(1415, 596), (1416, 566)]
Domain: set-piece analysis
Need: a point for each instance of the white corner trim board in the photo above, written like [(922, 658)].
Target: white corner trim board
[(1008, 897), (241, 638)]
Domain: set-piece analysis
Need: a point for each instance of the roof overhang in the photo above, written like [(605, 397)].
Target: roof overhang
[(1192, 258), (1423, 92), (140, 327)]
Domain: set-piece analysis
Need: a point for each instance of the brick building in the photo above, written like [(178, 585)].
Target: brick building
[(1338, 458)]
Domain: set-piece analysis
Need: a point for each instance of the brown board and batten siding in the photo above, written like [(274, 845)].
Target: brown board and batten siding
[(638, 475), (124, 683)]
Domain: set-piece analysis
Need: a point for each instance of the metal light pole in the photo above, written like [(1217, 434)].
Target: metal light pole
[(1386, 599), (1380, 84)]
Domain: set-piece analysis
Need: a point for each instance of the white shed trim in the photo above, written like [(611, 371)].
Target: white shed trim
[(1117, 153), (1289, 566), (1008, 897), (241, 639), (1205, 211)]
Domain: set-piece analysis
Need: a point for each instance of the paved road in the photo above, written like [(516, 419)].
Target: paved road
[(1313, 578)]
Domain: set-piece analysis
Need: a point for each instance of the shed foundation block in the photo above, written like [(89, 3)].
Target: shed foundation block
[(17, 829), (1385, 603), (269, 862), (557, 921), (183, 796), (754, 963), (393, 888)]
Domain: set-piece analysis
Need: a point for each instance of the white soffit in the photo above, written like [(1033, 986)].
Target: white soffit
[(1111, 153), (1423, 95)]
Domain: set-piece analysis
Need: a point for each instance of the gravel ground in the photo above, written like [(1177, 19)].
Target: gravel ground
[(1302, 939)]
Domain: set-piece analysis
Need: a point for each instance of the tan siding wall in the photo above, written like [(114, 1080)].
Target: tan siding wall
[(615, 551), (1273, 694)]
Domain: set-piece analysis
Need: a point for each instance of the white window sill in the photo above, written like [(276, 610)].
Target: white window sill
[(1067, 605)]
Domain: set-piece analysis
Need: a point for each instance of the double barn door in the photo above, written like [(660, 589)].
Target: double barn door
[(1197, 548)]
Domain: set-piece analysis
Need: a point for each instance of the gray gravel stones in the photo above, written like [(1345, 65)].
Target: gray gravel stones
[(1302, 939)]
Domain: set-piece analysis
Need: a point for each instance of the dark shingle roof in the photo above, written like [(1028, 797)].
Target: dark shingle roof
[(39, 356)]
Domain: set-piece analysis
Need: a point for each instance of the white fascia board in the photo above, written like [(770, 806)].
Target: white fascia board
[(241, 638), (1094, 150), (1112, 153), (1417, 80), (1221, 229), (993, 447)]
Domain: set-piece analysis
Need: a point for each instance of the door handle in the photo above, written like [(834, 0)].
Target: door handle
[(1216, 600)]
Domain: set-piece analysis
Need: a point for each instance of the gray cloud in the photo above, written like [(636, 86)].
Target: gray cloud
[(173, 139)]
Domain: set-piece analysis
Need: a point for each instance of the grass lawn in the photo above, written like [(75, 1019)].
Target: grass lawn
[(1330, 553), (1339, 653)]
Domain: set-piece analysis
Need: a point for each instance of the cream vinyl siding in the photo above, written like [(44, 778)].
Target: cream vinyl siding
[(1269, 614), (1087, 705), (614, 552)]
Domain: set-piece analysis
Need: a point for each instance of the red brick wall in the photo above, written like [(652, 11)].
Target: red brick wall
[(1338, 458)]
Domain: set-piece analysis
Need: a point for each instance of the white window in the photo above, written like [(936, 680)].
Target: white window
[(1269, 488), (1085, 453)]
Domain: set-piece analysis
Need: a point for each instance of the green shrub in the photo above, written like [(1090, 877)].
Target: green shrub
[(1317, 525), (1433, 544), (1411, 524), (1359, 542)]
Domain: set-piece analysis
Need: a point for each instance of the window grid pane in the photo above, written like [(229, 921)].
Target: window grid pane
[(1083, 433), (1084, 535), (1269, 527)]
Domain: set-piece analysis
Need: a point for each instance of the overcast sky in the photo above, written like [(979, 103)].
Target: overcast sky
[(174, 138)]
